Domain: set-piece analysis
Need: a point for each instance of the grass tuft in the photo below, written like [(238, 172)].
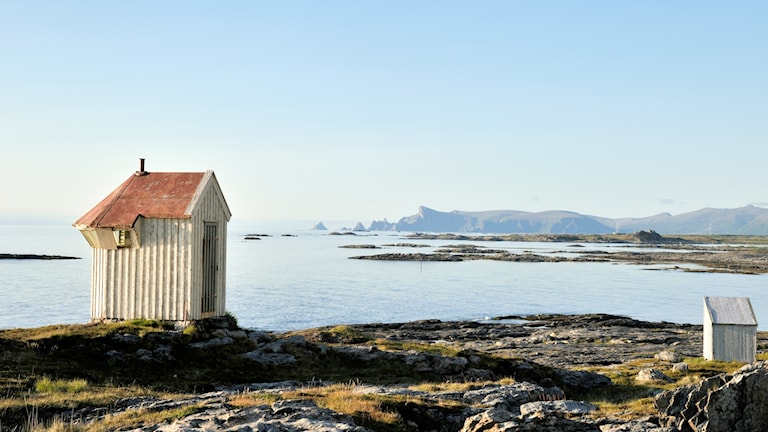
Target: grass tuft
[(48, 385)]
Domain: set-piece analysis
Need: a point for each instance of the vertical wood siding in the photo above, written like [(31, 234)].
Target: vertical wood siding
[(209, 209), (734, 342), (147, 282), (729, 342), (162, 279)]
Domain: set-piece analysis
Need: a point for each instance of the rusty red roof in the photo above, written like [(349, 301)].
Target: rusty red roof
[(151, 195)]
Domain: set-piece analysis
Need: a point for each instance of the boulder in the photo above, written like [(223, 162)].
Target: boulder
[(652, 375), (668, 356), (496, 419), (583, 380), (210, 343), (510, 395), (427, 362)]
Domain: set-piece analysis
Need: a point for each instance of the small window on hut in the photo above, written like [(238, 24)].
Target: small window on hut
[(122, 238)]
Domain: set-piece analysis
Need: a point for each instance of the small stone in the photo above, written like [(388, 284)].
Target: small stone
[(669, 356), (652, 375), (215, 342)]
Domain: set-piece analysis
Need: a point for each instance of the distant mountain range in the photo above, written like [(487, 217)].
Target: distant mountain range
[(749, 220)]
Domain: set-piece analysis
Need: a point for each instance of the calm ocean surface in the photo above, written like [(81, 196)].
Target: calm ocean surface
[(287, 283)]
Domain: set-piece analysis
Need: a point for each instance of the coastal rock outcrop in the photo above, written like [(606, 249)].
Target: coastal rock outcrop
[(285, 415), (512, 374), (722, 403), (513, 410)]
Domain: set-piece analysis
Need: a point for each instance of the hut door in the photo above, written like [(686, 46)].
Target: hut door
[(210, 268)]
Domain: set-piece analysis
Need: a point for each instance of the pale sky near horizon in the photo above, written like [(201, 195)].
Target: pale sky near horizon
[(362, 110)]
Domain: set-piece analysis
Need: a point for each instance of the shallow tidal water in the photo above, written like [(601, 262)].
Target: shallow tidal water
[(305, 280)]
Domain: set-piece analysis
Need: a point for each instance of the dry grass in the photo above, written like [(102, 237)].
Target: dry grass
[(345, 399), (76, 393), (71, 395), (93, 330), (630, 399), (121, 421), (625, 410), (457, 386), (253, 399)]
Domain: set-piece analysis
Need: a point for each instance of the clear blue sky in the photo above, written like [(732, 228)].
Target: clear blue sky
[(361, 110)]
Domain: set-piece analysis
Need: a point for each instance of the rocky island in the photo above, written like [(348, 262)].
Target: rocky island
[(536, 373), (747, 220), (715, 254), (17, 256)]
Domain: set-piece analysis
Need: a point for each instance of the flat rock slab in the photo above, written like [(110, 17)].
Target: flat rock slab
[(564, 341)]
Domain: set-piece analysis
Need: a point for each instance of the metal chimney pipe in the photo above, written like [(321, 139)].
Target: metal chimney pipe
[(141, 171)]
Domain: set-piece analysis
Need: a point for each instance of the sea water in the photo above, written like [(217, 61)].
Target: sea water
[(302, 279)]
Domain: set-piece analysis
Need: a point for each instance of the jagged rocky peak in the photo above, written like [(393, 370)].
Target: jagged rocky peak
[(382, 225), (320, 226)]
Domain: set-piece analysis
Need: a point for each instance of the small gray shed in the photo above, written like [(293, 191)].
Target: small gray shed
[(730, 329)]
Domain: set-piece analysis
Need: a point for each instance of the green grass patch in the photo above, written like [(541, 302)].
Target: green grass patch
[(48, 385), (440, 349), (347, 334), (698, 365)]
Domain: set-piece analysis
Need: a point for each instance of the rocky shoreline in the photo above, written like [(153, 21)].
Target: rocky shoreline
[(535, 373), (689, 254)]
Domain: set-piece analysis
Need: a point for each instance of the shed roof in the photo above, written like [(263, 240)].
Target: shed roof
[(149, 194), (730, 310)]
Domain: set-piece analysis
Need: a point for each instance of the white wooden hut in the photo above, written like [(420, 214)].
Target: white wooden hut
[(730, 329), (159, 248)]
